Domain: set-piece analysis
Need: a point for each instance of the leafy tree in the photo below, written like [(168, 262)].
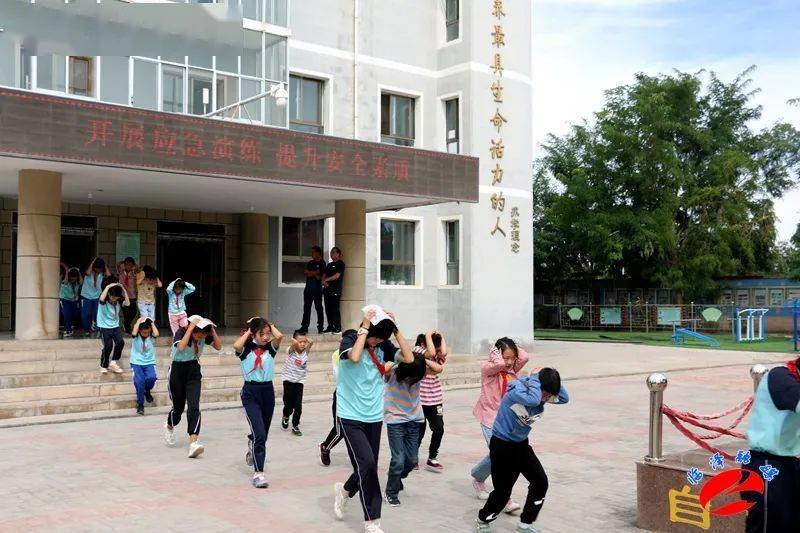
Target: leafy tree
[(793, 256), (668, 186)]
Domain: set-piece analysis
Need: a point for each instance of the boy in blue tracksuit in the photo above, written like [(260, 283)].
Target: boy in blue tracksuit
[(510, 452)]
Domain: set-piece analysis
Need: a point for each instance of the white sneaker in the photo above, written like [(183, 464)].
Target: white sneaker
[(526, 528), (195, 450), (373, 527), (260, 481), (114, 367), (103, 370), (169, 435), (340, 501), (481, 526), (511, 507), (480, 489)]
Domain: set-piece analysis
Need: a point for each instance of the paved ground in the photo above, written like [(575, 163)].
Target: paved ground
[(117, 474)]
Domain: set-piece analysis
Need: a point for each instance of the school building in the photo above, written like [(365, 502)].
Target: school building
[(218, 142)]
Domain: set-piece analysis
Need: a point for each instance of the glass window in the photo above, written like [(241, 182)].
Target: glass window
[(452, 126), (397, 119), (252, 53), (275, 12), (760, 297), (452, 254), (81, 76), (305, 97), (199, 92), (26, 69), (251, 111), (11, 74), (227, 94), (776, 297), (114, 79), (145, 84), (172, 89), (298, 236), (251, 9), (274, 115), (451, 19), (743, 298), (275, 52), (51, 72), (397, 252)]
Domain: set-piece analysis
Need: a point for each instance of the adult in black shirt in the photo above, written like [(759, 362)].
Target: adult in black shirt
[(314, 271), (332, 286)]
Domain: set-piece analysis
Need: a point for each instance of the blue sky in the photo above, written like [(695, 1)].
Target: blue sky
[(582, 47)]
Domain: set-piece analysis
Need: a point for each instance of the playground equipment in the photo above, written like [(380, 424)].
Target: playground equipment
[(751, 333), (680, 334), (795, 330)]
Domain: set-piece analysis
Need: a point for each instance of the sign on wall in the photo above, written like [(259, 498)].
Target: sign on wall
[(611, 316), (63, 129), (128, 245), (669, 316)]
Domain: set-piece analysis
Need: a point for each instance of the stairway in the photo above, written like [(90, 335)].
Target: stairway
[(63, 376)]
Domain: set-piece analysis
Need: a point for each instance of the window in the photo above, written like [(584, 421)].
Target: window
[(51, 73), (227, 94), (760, 297), (172, 89), (199, 92), (145, 84), (776, 298), (305, 97), (297, 238), (452, 252), (25, 72), (397, 252), (397, 119), (452, 126), (81, 76), (743, 298), (451, 19)]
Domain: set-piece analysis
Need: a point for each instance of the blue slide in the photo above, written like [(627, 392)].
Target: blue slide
[(681, 333)]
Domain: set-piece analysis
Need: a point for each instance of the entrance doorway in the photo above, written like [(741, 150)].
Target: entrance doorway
[(195, 253)]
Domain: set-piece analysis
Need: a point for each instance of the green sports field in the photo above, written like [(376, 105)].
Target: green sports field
[(774, 343)]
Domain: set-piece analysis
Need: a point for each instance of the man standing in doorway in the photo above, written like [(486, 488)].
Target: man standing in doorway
[(313, 291), (332, 286), (127, 271)]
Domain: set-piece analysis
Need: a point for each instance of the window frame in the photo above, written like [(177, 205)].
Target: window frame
[(417, 115), (442, 228), (443, 140), (419, 248), (442, 25), (322, 103), (449, 23), (300, 258)]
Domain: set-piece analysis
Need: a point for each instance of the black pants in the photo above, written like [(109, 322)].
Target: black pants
[(112, 340), (315, 297), (335, 434), (185, 380), (293, 401), (129, 315), (363, 440), (777, 510), (332, 299), (434, 414), (509, 460), (258, 400)]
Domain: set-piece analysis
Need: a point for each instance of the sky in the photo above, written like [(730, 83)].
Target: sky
[(583, 47)]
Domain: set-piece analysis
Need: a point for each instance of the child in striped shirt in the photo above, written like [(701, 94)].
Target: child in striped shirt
[(403, 417), (295, 370), (433, 346)]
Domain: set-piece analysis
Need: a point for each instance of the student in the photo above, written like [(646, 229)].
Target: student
[(773, 434), (295, 370), (185, 378), (403, 417), (177, 291), (69, 297), (335, 434), (313, 291), (434, 347), (504, 362), (511, 452), (147, 281), (256, 349), (111, 302), (359, 408), (143, 360), (127, 272), (332, 290), (90, 292)]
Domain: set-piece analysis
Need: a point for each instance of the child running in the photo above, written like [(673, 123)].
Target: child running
[(258, 393), (359, 408), (335, 434), (294, 375), (177, 291), (504, 362), (146, 284), (90, 293), (185, 378), (109, 312), (143, 360), (403, 417), (432, 344), (511, 452), (69, 297)]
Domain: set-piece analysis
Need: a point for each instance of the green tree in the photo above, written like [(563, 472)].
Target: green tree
[(793, 256), (669, 185)]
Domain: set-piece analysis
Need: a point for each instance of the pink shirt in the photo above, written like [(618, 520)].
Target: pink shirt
[(128, 280), (495, 377)]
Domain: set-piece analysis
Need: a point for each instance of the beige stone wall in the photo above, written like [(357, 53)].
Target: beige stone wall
[(111, 219)]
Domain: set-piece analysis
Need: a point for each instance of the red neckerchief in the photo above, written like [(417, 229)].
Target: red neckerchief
[(793, 370), (505, 377), (374, 358), (144, 346), (114, 305), (257, 364), (196, 346), (94, 279)]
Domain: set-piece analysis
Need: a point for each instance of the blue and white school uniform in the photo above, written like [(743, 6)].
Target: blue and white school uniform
[(69, 303), (258, 396), (143, 363), (90, 295), (108, 315), (185, 381)]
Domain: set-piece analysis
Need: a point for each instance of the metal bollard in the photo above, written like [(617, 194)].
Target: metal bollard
[(656, 383), (757, 372)]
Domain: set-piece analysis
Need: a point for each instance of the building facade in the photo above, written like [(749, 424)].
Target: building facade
[(433, 80)]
